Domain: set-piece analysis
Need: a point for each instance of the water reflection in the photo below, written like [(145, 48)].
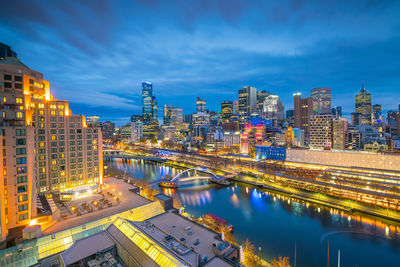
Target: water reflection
[(276, 221)]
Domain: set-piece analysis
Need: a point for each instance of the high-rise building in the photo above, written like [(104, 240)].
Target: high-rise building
[(363, 106), (167, 114), (303, 109), (93, 120), (261, 95), (339, 129), (107, 129), (136, 117), (337, 112), (6, 51), (46, 148), (150, 112), (376, 112), (320, 131), (321, 100), (273, 109), (355, 118), (236, 107), (391, 119), (247, 104), (147, 101), (200, 105), (176, 115), (226, 110), (136, 131)]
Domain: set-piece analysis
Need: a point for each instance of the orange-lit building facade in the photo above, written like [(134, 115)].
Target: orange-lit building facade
[(252, 135), (45, 149)]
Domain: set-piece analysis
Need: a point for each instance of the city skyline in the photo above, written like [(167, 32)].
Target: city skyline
[(277, 48)]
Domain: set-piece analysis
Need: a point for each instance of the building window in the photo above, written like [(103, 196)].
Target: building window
[(20, 132), (23, 217), (22, 179), (20, 142)]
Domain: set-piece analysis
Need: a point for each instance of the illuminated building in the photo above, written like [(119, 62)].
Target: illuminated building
[(252, 135), (93, 121), (321, 100), (339, 129), (226, 110), (147, 101), (47, 148), (273, 109), (376, 112), (268, 152), (167, 113), (363, 106), (320, 131), (290, 117), (200, 105), (261, 95), (176, 115), (303, 109), (136, 131), (247, 104)]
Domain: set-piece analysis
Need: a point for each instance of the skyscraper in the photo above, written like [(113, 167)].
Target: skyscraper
[(247, 104), (176, 115), (167, 114), (320, 131), (107, 128), (200, 105), (303, 109), (376, 112), (273, 109), (147, 101), (226, 110), (363, 106), (261, 95), (321, 100), (93, 120)]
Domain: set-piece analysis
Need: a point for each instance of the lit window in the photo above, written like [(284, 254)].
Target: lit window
[(18, 100)]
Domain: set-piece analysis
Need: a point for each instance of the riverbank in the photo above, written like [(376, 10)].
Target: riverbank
[(322, 199)]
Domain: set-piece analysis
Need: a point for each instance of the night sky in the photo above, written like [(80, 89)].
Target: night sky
[(96, 53)]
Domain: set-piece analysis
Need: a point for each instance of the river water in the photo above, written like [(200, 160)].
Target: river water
[(276, 223)]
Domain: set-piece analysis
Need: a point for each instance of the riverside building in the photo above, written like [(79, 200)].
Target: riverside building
[(45, 148)]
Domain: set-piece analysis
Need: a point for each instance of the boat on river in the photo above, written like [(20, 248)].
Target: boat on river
[(220, 182), (167, 184)]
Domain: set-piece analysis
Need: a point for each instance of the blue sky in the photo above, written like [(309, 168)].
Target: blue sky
[(96, 53)]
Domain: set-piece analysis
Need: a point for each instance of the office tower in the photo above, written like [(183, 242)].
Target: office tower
[(167, 114), (187, 118), (290, 114), (354, 138), (339, 129), (6, 51), (48, 150), (136, 131), (320, 127), (321, 100), (398, 123), (154, 109), (303, 109), (337, 112), (261, 95), (363, 106), (355, 118), (107, 129), (247, 104), (226, 110), (135, 118), (200, 105), (273, 110), (147, 101), (391, 119), (93, 120), (176, 115), (376, 112)]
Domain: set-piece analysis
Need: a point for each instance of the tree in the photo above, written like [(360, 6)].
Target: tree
[(280, 262)]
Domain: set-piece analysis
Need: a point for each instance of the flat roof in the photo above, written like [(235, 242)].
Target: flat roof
[(86, 247), (176, 225), (217, 262), (128, 200)]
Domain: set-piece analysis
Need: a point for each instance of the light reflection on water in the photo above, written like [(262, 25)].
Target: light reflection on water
[(275, 221)]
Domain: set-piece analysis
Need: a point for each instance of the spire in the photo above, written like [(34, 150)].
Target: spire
[(363, 86)]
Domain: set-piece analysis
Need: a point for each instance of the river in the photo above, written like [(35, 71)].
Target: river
[(276, 223)]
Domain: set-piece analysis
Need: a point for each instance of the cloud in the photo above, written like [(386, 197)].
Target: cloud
[(96, 53)]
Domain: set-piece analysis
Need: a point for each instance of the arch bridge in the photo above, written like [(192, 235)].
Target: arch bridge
[(181, 176)]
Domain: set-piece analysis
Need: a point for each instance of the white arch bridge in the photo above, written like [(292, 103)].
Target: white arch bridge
[(182, 177)]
